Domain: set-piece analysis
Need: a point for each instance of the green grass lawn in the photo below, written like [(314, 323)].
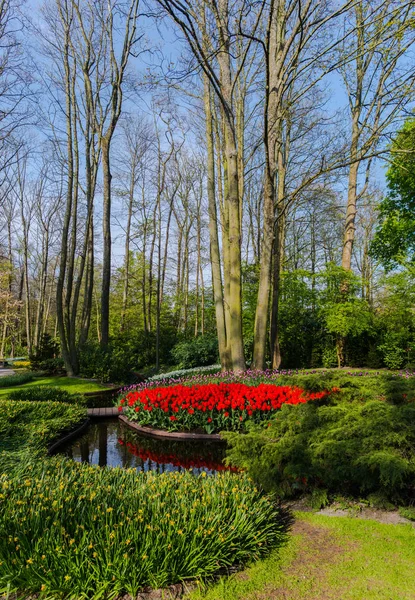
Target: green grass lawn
[(71, 384), (328, 558)]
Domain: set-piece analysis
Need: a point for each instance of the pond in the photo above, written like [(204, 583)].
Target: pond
[(110, 443)]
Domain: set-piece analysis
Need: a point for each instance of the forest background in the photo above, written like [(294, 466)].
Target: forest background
[(190, 182)]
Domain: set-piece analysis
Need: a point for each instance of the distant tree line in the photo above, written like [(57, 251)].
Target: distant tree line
[(232, 194)]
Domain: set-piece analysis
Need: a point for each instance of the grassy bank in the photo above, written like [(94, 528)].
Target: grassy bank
[(330, 558), (27, 428)]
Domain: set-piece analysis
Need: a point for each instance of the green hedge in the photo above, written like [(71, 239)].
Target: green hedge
[(12, 380), (43, 393), (27, 428)]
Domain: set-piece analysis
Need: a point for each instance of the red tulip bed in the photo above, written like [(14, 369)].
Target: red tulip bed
[(212, 407)]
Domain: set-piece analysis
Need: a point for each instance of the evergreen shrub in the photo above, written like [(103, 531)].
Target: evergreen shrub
[(353, 447)]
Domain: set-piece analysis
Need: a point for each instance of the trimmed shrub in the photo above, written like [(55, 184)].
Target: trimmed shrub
[(12, 380), (27, 428), (44, 393)]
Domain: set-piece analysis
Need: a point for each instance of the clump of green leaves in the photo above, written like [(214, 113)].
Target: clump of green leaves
[(27, 428), (408, 512), (196, 352), (74, 530), (43, 393), (12, 380), (355, 448)]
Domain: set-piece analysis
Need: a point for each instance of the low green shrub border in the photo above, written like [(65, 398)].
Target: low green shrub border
[(28, 428), (43, 393), (12, 380), (75, 530)]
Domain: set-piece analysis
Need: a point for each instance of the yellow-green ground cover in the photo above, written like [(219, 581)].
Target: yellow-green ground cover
[(328, 558)]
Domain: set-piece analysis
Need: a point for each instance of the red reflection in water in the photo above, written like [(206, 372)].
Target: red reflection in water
[(175, 460)]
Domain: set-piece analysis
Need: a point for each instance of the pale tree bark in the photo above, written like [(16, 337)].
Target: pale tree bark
[(192, 20), (289, 51), (137, 137), (118, 69), (60, 286), (26, 210)]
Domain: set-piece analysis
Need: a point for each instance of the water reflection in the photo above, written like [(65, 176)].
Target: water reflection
[(110, 443)]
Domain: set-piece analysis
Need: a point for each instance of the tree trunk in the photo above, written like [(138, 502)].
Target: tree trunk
[(106, 234), (215, 259), (262, 307), (127, 251)]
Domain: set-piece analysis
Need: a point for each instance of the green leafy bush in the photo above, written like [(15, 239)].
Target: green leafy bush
[(46, 356), (408, 512), (199, 351), (392, 352), (51, 366), (357, 448), (329, 357), (93, 533), (12, 380), (43, 393), (113, 364)]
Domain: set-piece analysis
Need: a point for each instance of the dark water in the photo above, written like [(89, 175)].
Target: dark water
[(110, 443)]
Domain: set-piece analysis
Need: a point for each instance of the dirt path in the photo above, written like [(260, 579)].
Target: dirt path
[(318, 551)]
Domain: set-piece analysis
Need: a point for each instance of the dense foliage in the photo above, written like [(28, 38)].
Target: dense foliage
[(197, 352), (46, 356), (394, 242), (113, 531), (209, 408), (111, 364), (27, 428), (13, 380), (44, 393), (347, 446)]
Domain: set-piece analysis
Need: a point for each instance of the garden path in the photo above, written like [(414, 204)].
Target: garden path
[(5, 372)]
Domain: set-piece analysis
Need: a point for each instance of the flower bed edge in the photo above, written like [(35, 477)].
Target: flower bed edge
[(172, 435)]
